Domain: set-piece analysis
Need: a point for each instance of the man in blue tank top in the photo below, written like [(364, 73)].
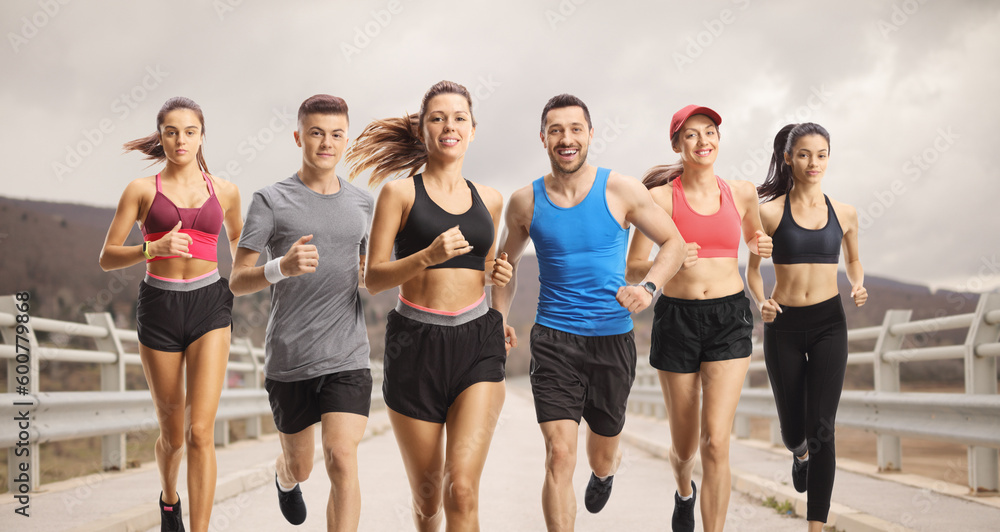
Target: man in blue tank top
[(582, 347)]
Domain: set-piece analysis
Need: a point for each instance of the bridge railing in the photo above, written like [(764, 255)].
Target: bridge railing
[(971, 419), (37, 417)]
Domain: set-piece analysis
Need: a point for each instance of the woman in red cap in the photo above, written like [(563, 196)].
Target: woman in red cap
[(805, 328), (702, 323)]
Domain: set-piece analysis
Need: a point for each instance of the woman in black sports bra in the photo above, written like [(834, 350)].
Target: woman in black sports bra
[(444, 347), (805, 329)]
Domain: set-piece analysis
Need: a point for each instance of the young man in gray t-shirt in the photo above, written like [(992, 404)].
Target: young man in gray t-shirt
[(314, 228)]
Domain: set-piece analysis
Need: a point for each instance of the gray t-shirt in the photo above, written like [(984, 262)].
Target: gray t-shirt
[(317, 325)]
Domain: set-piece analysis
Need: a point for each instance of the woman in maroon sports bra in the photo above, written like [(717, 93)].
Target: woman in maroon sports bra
[(184, 315)]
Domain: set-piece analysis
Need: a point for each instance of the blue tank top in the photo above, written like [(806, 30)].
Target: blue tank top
[(581, 263)]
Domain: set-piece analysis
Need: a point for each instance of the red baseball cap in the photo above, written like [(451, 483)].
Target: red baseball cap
[(681, 116)]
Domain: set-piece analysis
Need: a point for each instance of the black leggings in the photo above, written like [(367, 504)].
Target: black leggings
[(805, 349)]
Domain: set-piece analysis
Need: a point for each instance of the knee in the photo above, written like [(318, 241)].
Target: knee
[(560, 459), (461, 495), (715, 449), (170, 442), (299, 470), (341, 460), (200, 436)]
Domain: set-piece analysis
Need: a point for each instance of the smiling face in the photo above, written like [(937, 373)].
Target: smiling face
[(808, 158), (566, 138), (323, 139), (181, 136), (698, 141), (447, 127)]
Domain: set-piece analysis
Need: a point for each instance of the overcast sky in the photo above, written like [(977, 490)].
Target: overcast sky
[(907, 89)]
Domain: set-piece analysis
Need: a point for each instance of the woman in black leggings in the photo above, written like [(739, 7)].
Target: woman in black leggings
[(805, 330)]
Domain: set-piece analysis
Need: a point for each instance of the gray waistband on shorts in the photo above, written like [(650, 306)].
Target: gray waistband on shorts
[(182, 286), (433, 318)]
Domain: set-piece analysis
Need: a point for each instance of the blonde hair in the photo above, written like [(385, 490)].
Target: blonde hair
[(392, 146)]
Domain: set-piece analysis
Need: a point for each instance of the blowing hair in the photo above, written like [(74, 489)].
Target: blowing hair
[(150, 145), (565, 100), (779, 174), (665, 173), (395, 145), (323, 104)]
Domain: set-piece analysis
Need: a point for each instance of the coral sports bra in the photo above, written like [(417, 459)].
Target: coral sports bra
[(719, 233), (203, 223)]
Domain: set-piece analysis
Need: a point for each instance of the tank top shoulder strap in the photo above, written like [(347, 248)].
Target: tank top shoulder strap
[(831, 212), (476, 198), (208, 181), (677, 194)]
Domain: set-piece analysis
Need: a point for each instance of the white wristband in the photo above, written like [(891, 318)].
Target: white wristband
[(272, 271)]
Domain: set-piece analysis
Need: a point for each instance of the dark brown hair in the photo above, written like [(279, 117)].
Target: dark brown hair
[(565, 100), (665, 173), (394, 145), (150, 145), (323, 104)]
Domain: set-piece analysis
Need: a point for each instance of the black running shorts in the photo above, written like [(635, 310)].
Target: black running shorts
[(427, 365), (171, 315), (298, 405), (574, 376), (687, 332)]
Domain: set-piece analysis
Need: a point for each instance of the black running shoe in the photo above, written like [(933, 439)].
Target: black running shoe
[(598, 493), (170, 516), (800, 474), (683, 519), (291, 504)]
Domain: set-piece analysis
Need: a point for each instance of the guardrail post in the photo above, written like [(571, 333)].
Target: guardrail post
[(113, 446), (9, 304), (980, 378), (889, 448), (253, 423)]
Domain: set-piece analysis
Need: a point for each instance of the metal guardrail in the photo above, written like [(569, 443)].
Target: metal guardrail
[(971, 419), (112, 411)]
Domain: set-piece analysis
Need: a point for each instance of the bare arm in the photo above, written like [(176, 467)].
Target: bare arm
[(233, 220), (513, 242), (852, 257), (247, 278), (497, 270), (657, 226), (756, 239), (770, 215), (382, 273), (115, 255)]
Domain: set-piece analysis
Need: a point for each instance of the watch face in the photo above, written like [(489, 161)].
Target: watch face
[(650, 287)]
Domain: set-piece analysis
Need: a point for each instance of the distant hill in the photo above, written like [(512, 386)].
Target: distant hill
[(51, 249)]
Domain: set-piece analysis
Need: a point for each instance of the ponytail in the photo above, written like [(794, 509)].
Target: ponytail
[(779, 179), (388, 147), (393, 146), (664, 173), (150, 144)]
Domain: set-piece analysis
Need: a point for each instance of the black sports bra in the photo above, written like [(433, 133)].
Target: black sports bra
[(427, 220), (794, 244)]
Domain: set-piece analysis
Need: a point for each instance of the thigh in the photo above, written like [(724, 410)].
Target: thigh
[(207, 359), (825, 377), (682, 396), (722, 383), (165, 376), (472, 420), (675, 345), (560, 435), (415, 383), (300, 447), (293, 404), (421, 445), (557, 384), (347, 392)]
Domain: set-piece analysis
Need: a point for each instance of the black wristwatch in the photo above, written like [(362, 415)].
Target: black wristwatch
[(650, 287)]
